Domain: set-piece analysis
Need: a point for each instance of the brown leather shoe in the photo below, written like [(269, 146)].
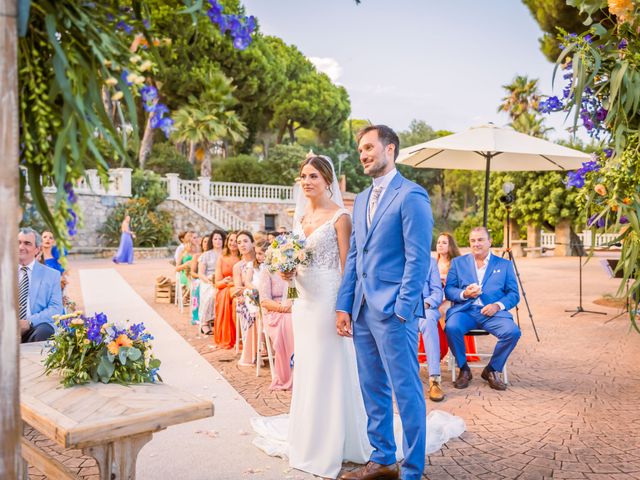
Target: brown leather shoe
[(435, 391), (464, 377), (494, 379), (373, 471)]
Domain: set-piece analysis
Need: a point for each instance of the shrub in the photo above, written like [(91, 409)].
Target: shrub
[(164, 158), (147, 184), (152, 228), (462, 232), (240, 169)]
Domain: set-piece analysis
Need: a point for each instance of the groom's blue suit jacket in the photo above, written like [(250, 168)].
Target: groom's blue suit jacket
[(388, 262), (498, 285)]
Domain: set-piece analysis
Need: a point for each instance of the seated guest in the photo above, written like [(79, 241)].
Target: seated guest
[(277, 317), (482, 288), (428, 326), (51, 255), (39, 292), (206, 272), (178, 253)]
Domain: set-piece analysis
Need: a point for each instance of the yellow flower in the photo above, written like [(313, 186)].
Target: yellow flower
[(86, 341), (614, 208), (117, 96), (626, 201), (139, 79), (77, 321), (107, 63), (135, 59), (146, 65), (620, 8), (111, 81), (600, 189), (113, 348), (131, 78)]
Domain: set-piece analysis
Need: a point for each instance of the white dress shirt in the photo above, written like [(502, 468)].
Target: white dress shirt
[(480, 273), (30, 275)]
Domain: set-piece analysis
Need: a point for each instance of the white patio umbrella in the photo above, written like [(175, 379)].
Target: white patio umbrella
[(491, 148)]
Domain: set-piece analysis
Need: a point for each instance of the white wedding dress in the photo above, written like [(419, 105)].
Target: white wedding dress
[(327, 422)]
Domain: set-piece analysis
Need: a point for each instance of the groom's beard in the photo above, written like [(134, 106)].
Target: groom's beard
[(376, 170)]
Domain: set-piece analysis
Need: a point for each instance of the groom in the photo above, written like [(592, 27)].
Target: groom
[(381, 292)]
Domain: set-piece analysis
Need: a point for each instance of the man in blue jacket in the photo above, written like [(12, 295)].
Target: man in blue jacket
[(483, 288), (39, 292)]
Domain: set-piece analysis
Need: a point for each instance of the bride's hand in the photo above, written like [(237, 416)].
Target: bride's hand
[(288, 276), (343, 324)]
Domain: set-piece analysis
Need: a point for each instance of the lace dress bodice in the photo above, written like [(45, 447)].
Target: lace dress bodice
[(323, 245)]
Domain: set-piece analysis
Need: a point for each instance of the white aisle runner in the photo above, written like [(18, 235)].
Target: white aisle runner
[(215, 448)]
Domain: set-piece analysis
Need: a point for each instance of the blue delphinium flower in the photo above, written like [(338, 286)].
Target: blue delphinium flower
[(71, 195), (149, 93), (623, 44), (72, 222)]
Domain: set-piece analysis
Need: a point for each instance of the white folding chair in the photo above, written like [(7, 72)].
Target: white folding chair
[(263, 339), (451, 360), (178, 300)]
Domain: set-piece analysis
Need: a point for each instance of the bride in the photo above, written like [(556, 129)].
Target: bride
[(327, 423)]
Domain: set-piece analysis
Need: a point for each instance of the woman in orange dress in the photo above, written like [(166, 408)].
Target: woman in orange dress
[(225, 319), (446, 250)]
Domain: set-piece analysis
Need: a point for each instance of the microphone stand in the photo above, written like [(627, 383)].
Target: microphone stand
[(579, 309)]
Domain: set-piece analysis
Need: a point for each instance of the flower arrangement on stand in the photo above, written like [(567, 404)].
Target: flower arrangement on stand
[(284, 255), (90, 349)]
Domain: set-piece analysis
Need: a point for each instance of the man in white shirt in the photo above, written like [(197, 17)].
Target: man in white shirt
[(483, 288), (39, 291)]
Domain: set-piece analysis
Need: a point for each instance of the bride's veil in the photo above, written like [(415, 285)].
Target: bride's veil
[(302, 202)]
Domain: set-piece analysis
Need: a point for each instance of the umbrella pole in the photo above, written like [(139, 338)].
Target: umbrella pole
[(486, 190)]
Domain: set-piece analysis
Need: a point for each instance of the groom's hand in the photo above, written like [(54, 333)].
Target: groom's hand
[(343, 324)]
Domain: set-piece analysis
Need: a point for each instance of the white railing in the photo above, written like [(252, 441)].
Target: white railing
[(250, 192), (118, 184), (189, 195), (548, 240)]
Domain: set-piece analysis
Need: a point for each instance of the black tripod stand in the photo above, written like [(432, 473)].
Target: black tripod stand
[(578, 310), (509, 254)]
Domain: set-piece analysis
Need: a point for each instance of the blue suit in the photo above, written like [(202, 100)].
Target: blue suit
[(384, 277), (45, 301), (498, 285), (428, 325)]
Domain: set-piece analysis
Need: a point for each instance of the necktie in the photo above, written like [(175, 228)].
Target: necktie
[(373, 203), (23, 293)]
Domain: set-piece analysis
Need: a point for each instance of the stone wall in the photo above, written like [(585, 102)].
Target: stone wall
[(95, 210), (185, 219), (253, 213)]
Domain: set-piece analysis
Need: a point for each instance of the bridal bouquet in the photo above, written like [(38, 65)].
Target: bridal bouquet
[(284, 255), (88, 349)]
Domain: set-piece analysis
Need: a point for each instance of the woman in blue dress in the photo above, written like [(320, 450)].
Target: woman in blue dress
[(125, 250), (51, 254)]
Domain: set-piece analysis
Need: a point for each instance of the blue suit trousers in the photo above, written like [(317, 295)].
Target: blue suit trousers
[(388, 364), (504, 328)]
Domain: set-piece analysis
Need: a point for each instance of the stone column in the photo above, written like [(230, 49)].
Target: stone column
[(125, 181), (205, 182), (534, 240), (94, 181), (173, 187), (563, 238), (10, 420)]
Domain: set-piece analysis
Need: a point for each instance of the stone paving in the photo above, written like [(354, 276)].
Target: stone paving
[(571, 410)]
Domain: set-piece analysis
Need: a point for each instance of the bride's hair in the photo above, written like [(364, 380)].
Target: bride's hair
[(323, 166)]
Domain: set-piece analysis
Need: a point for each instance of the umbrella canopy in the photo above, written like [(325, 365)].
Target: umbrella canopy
[(491, 148)]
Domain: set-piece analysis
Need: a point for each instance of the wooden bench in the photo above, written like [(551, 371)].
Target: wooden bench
[(109, 422)]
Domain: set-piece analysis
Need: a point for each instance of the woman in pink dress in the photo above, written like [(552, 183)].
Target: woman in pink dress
[(277, 316)]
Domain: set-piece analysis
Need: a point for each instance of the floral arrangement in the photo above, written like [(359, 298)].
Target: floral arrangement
[(601, 67), (251, 300), (284, 255), (86, 349)]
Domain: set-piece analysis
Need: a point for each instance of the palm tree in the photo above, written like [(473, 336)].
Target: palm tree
[(521, 103)]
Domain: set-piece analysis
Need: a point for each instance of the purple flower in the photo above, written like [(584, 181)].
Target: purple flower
[(623, 44), (598, 221), (71, 195), (624, 220), (137, 329), (601, 114), (575, 179), (149, 93), (608, 152), (588, 38), (552, 104), (72, 222), (166, 125)]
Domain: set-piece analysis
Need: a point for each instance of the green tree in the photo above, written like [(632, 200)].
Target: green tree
[(551, 14)]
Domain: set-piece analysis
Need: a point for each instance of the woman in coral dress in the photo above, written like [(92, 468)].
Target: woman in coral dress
[(225, 319), (447, 250)]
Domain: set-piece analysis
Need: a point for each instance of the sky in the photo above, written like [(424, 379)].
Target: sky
[(443, 62)]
